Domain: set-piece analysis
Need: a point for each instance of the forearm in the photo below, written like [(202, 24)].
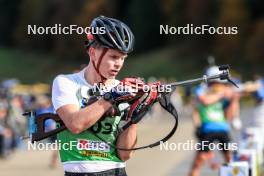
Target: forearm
[(250, 87), (196, 118), (233, 109), (208, 99), (89, 115), (79, 120), (127, 139), (195, 114)]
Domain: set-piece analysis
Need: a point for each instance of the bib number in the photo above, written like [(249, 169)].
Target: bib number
[(102, 127)]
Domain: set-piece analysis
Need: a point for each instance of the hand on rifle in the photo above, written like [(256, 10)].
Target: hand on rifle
[(140, 107), (128, 90)]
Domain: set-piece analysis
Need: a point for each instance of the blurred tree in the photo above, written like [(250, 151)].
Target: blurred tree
[(171, 10), (9, 13), (232, 14), (144, 18), (35, 12), (89, 10), (121, 8), (196, 12), (64, 13), (255, 52), (200, 13), (256, 8)]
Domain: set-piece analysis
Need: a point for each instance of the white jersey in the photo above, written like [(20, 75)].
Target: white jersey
[(65, 90)]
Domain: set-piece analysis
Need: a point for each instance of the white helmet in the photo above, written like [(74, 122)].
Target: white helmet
[(214, 70)]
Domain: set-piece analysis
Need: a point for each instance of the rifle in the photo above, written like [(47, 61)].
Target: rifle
[(36, 123)]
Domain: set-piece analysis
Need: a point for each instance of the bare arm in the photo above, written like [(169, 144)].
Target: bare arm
[(127, 139), (195, 114), (78, 120), (250, 87), (196, 117), (233, 109), (210, 98)]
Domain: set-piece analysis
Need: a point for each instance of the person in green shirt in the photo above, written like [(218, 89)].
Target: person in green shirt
[(214, 105)]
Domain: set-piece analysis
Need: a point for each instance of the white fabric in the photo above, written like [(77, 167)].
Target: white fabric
[(64, 91), (65, 88), (91, 166)]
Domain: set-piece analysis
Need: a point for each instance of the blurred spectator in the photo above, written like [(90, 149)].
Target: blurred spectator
[(44, 105), (256, 87), (6, 134), (258, 116), (16, 120)]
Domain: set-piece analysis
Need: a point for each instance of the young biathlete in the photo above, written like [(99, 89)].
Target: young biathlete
[(215, 104), (91, 131)]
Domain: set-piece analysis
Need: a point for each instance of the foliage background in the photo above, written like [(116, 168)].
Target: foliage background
[(38, 58)]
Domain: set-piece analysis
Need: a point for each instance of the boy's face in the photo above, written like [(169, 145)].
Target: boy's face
[(111, 63), (3, 113), (217, 86)]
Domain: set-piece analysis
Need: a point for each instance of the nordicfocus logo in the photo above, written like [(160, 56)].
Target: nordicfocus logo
[(136, 88), (58, 29), (190, 145), (80, 144), (84, 144), (190, 29)]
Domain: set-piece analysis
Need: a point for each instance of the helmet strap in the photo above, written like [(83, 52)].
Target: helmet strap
[(96, 67)]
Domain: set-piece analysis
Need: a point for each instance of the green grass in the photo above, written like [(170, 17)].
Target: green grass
[(30, 67), (35, 67), (163, 63)]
